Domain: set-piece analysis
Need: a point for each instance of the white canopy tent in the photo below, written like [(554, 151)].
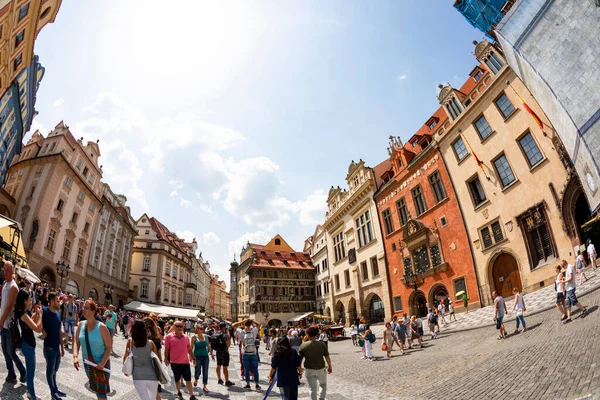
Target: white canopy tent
[(297, 318), (158, 309)]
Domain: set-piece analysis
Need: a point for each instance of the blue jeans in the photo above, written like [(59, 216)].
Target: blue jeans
[(250, 361), (29, 353), (201, 365), (520, 317), (10, 354), (52, 357)]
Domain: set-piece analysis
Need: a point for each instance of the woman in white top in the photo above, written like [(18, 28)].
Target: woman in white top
[(581, 267), (591, 250), (560, 293), (519, 306)]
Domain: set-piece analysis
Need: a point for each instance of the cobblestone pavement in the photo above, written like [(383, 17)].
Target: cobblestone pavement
[(538, 301), (549, 361)]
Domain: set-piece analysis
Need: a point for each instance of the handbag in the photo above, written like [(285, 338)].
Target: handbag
[(519, 313), (128, 364), (99, 380), (162, 372), (384, 347)]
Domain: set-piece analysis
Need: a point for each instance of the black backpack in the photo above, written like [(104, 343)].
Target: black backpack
[(433, 318), (217, 342), (15, 333)]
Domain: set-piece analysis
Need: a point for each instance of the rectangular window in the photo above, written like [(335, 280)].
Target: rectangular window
[(364, 227), (79, 163), (491, 234), (174, 272), (477, 193), (92, 207), (539, 241), (486, 238), (68, 182), (459, 286), (86, 227), (419, 200), (365, 270), (19, 38), (325, 264), (477, 75), (74, 218), (188, 299), (79, 260), (374, 266), (17, 61), (460, 149), (402, 211), (347, 278), (144, 292), (504, 105), (497, 232), (483, 128), (325, 287), (338, 247), (23, 12), (531, 150), (92, 178), (51, 239), (146, 264), (60, 205), (81, 196), (168, 268), (387, 221), (67, 250), (504, 171), (397, 303), (437, 187), (85, 171)]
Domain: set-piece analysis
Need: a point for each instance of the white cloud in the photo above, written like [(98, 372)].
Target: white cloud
[(59, 102), (174, 194), (312, 209), (185, 203), (186, 235), (205, 207), (235, 246), (176, 183), (402, 77), (210, 239)]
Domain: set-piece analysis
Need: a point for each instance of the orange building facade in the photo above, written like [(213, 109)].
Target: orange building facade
[(428, 253)]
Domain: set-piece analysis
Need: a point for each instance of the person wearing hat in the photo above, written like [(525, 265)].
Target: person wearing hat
[(432, 321)]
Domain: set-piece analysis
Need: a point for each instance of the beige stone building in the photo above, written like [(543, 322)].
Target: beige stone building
[(107, 272), (55, 182), (162, 266), (316, 247), (359, 282), (511, 185)]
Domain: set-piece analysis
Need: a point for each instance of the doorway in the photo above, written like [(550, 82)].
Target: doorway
[(419, 304), (376, 310), (505, 273)]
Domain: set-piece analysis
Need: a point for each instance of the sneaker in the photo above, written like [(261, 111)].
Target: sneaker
[(584, 313), (22, 378), (179, 395), (516, 331), (563, 318), (192, 397), (247, 386), (229, 383), (11, 379), (60, 393), (220, 381), (257, 387)]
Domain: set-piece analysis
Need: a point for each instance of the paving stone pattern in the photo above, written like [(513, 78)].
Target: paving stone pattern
[(549, 361)]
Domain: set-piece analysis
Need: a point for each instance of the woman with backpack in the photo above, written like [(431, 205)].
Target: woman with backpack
[(369, 339), (28, 323), (289, 371), (581, 267), (202, 349)]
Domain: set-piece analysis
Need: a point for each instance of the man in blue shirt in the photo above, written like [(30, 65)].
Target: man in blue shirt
[(53, 345)]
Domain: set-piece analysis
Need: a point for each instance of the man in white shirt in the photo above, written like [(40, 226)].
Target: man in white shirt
[(591, 250), (442, 310), (571, 298)]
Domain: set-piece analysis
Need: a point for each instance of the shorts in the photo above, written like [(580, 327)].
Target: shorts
[(499, 321), (223, 358), (111, 331), (181, 370), (571, 298), (420, 331), (70, 327), (560, 297)]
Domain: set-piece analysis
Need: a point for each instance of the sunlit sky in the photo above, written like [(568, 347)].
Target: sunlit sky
[(230, 121)]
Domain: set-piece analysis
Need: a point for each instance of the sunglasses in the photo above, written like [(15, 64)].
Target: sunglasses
[(178, 326)]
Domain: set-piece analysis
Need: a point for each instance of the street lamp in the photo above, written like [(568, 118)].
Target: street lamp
[(108, 291), (412, 280), (62, 270)]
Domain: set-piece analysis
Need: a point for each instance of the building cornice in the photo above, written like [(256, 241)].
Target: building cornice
[(365, 190)]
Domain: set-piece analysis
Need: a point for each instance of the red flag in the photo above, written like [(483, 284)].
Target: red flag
[(537, 119), (477, 160)]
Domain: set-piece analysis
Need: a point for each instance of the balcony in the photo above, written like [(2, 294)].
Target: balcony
[(191, 285)]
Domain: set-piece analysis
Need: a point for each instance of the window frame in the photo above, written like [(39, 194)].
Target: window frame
[(467, 152), (402, 209), (479, 132), (492, 235), (514, 109), (19, 38), (374, 267), (421, 197), (435, 181), (364, 270), (515, 179), (468, 182), (23, 11), (364, 229), (524, 152), (388, 223)]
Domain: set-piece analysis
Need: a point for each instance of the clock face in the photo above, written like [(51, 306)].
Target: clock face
[(590, 181)]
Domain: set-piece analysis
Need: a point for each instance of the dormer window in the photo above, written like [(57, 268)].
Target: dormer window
[(494, 63), (454, 108), (477, 75), (355, 181), (432, 125)]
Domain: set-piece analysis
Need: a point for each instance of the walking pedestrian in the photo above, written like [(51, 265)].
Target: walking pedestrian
[(451, 310), (465, 300), (520, 308), (28, 323), (71, 316), (178, 353), (591, 250), (387, 340), (144, 377), (249, 357), (415, 332), (296, 341), (432, 321), (201, 351), (581, 267), (560, 293), (369, 339), (323, 337), (53, 345), (442, 311), (220, 342), (10, 290), (400, 332), (315, 354), (93, 335), (571, 298), (110, 319), (125, 319), (499, 312), (286, 363)]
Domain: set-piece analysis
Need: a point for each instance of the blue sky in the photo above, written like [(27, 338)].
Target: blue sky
[(229, 121)]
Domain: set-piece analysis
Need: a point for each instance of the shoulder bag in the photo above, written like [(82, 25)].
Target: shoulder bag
[(128, 364), (162, 373), (99, 380)]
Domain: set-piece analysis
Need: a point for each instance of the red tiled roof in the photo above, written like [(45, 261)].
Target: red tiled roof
[(166, 235), (277, 260), (380, 169)]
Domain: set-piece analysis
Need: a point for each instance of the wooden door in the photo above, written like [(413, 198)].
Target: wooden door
[(506, 275)]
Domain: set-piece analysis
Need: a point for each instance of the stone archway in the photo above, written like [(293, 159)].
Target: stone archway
[(376, 310), (438, 293), (48, 276), (352, 314), (575, 211), (505, 274), (340, 312), (418, 303)]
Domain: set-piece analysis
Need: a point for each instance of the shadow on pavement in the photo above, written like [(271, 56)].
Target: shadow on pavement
[(10, 389), (592, 309)]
